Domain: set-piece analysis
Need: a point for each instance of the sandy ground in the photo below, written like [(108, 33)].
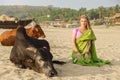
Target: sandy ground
[(107, 46)]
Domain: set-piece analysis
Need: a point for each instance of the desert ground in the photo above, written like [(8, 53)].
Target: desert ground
[(107, 47)]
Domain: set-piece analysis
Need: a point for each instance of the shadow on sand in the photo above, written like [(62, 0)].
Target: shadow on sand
[(69, 69)]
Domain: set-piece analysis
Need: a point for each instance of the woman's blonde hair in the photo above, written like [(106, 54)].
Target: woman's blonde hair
[(88, 26)]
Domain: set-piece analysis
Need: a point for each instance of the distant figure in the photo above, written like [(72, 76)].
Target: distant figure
[(84, 52)]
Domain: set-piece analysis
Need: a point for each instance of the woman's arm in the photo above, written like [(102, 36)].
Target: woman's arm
[(88, 48), (74, 43), (87, 51)]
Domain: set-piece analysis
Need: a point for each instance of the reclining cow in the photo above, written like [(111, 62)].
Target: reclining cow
[(7, 38), (32, 53)]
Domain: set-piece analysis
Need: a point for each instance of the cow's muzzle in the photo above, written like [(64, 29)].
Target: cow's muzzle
[(52, 73)]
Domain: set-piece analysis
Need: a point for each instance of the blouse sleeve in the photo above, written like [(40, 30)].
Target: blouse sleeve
[(74, 31)]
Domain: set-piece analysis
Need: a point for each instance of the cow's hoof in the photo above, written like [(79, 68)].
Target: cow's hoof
[(20, 66)]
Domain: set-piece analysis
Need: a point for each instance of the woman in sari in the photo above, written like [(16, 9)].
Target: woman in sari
[(84, 52)]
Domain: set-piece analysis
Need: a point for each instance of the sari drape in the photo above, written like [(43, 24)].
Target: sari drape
[(82, 45)]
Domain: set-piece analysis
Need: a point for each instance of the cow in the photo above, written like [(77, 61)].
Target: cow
[(32, 53), (7, 38)]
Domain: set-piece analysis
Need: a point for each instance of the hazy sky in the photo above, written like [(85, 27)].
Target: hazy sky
[(74, 4)]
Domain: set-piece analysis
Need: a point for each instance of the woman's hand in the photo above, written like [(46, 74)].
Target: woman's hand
[(86, 56), (78, 54)]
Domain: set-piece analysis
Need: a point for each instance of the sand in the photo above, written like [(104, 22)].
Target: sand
[(107, 46)]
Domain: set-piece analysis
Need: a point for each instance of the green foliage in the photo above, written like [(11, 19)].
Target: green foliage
[(39, 13)]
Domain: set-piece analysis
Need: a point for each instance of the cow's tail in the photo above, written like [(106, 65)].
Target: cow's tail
[(59, 62)]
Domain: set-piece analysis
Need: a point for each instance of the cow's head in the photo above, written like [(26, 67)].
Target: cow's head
[(38, 32), (43, 61)]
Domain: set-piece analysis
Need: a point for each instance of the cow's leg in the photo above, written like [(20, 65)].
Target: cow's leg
[(15, 58)]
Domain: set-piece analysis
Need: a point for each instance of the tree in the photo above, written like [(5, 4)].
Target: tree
[(82, 11), (116, 9), (101, 11)]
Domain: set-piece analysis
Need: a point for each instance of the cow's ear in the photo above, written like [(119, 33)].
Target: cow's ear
[(32, 49)]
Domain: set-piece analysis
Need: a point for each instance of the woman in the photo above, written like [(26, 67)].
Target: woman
[(84, 52)]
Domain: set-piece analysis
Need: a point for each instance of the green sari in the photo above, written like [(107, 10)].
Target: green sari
[(82, 45)]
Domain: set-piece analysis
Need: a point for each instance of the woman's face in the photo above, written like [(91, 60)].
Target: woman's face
[(83, 22)]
